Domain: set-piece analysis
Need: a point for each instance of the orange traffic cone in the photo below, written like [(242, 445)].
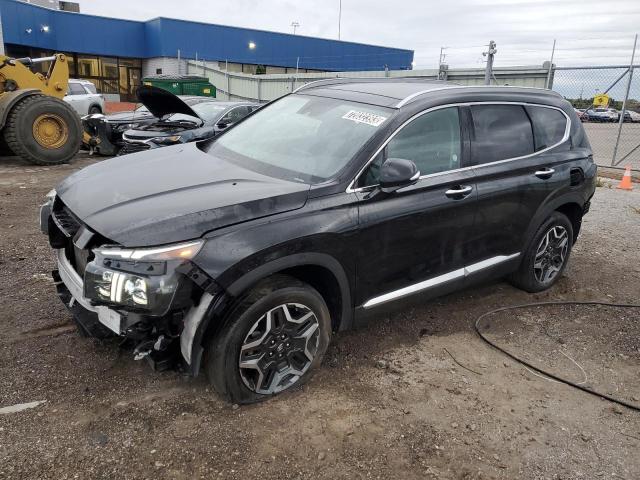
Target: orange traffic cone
[(625, 183)]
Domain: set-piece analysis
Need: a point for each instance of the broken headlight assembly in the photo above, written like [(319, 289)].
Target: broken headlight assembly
[(142, 279)]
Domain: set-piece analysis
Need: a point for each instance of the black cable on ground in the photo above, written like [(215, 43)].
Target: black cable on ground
[(539, 370)]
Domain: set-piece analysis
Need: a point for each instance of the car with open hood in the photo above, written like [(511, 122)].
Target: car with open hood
[(102, 134), (180, 121), (335, 203)]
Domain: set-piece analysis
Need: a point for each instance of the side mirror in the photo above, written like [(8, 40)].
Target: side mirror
[(396, 173)]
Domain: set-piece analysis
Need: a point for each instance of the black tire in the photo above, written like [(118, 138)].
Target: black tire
[(5, 151), (94, 109), (18, 131), (528, 277), (223, 353)]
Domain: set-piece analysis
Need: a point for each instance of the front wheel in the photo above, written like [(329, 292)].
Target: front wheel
[(43, 130), (271, 341), (546, 256)]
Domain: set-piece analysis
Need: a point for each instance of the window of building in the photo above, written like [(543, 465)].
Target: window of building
[(549, 126), (501, 132)]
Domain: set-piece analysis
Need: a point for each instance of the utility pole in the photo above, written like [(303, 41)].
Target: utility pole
[(339, 18), (489, 69), (295, 25), (553, 51), (442, 68), (442, 56)]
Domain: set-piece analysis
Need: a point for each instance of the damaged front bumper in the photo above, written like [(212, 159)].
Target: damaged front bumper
[(156, 343)]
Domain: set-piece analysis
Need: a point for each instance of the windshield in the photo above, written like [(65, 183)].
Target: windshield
[(305, 138), (207, 111)]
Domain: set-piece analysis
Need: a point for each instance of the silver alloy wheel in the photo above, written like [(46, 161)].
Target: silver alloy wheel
[(551, 254), (279, 348)]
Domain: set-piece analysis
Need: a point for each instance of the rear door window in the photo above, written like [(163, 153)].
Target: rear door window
[(549, 126), (76, 89), (501, 132)]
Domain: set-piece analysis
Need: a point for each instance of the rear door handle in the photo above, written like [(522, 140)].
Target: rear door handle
[(458, 192), (545, 173)]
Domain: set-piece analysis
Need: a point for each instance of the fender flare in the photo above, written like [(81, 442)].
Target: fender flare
[(10, 99), (216, 307), (547, 209)]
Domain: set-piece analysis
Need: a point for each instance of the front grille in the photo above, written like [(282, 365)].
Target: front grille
[(133, 148), (66, 221)]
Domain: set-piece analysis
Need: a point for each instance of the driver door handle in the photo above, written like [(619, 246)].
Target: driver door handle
[(459, 191), (545, 173)]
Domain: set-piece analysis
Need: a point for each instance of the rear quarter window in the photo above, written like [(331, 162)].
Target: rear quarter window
[(549, 126), (501, 132)]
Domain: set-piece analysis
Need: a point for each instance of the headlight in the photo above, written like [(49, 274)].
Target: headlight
[(137, 278), (125, 126), (167, 140)]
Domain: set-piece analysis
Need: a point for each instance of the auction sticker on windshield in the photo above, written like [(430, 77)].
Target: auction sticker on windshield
[(364, 117)]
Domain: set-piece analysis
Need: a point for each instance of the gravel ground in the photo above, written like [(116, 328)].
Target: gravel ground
[(389, 401)]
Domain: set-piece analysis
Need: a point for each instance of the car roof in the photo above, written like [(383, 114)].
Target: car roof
[(397, 92)]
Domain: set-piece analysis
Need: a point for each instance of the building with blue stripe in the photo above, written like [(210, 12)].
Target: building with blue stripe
[(115, 53)]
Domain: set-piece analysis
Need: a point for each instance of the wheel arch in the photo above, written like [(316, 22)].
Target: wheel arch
[(570, 204), (320, 270), (96, 105)]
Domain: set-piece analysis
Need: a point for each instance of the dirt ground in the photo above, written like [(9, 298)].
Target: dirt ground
[(388, 402)]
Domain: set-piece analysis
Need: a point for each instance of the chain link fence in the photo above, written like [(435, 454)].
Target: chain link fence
[(608, 102)]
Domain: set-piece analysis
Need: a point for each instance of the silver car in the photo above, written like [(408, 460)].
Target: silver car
[(83, 97)]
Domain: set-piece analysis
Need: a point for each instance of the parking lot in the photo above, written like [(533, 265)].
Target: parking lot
[(603, 138), (415, 395)]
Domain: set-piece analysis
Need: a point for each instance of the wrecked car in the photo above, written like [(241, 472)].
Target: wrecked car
[(181, 121), (241, 256), (102, 134)]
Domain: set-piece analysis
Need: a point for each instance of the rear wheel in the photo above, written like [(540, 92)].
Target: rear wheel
[(43, 130), (272, 341), (546, 256), (94, 109)]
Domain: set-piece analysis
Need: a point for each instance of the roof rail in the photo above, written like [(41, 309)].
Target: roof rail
[(451, 85), (331, 81), (342, 80)]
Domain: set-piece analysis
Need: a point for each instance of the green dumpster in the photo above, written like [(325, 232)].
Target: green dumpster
[(182, 84)]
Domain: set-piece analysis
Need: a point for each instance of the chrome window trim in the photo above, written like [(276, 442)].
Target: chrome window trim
[(567, 132), (457, 274)]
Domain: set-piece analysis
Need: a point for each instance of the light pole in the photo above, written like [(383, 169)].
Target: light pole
[(339, 18), (295, 25)]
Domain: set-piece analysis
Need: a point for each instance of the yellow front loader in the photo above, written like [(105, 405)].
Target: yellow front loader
[(35, 123)]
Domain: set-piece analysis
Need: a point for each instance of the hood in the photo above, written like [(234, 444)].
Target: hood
[(162, 103), (173, 194)]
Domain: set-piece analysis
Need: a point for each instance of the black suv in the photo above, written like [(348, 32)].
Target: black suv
[(245, 253)]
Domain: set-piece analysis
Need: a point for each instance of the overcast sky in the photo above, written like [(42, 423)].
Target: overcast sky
[(587, 31)]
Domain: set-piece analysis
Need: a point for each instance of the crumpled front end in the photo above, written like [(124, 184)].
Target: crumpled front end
[(100, 136), (154, 298)]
